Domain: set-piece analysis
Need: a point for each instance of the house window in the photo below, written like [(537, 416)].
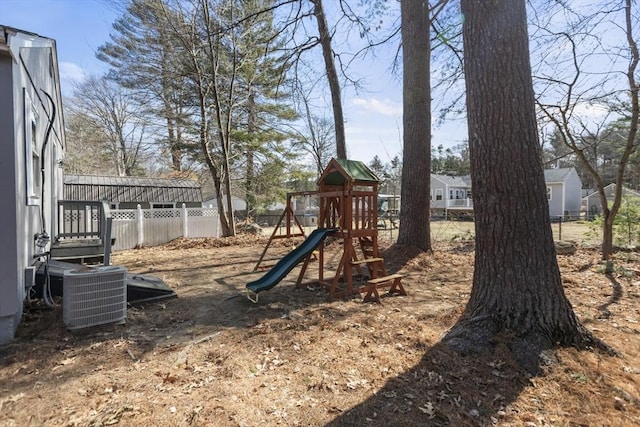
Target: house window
[(450, 194), (431, 195), (438, 193), (468, 194), (162, 205), (32, 153), (548, 193)]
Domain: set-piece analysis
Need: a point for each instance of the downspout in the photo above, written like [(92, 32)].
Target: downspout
[(42, 161)]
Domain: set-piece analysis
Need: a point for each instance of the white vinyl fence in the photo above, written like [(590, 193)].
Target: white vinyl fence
[(151, 227)]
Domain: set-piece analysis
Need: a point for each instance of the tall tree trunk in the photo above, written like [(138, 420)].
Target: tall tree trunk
[(249, 186), (416, 95), (517, 290), (332, 77), (168, 111), (227, 230)]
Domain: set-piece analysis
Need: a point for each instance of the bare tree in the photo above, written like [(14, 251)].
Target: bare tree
[(317, 136), (564, 92), (301, 39), (210, 66), (332, 78), (517, 291), (226, 63), (87, 151), (109, 110)]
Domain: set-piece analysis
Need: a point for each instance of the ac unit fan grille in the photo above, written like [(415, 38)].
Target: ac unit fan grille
[(94, 296)]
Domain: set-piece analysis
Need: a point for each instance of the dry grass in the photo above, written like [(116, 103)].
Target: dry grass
[(211, 357)]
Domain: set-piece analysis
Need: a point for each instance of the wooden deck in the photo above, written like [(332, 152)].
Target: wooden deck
[(84, 232)]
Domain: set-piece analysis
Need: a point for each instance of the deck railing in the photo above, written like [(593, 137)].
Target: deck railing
[(84, 230), (82, 219), (460, 203)]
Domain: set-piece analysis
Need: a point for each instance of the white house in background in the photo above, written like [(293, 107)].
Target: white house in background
[(451, 195), (31, 150), (237, 203), (564, 192), (593, 205)]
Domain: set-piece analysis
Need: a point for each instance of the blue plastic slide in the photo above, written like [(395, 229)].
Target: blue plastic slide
[(290, 260)]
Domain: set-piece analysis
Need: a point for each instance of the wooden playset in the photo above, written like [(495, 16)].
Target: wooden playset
[(287, 227), (347, 193)]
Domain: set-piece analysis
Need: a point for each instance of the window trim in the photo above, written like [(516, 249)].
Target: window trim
[(162, 205), (33, 180)]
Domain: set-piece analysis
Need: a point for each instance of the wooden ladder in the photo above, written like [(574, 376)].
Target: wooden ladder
[(378, 276)]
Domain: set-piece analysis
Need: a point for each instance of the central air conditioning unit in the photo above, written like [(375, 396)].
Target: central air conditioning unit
[(94, 296)]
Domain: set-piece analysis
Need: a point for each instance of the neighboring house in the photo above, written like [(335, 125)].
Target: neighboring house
[(127, 192), (32, 143), (593, 205), (450, 195), (564, 190), (237, 203)]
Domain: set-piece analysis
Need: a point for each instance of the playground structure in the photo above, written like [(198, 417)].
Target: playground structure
[(348, 211), (288, 222)]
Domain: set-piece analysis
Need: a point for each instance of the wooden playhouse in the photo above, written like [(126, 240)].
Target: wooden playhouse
[(348, 193)]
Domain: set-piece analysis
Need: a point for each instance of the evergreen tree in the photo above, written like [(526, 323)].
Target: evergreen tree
[(264, 103), (145, 59)]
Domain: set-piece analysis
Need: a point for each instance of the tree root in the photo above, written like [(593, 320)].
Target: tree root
[(531, 351)]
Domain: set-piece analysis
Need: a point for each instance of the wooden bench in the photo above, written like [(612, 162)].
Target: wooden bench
[(374, 284)]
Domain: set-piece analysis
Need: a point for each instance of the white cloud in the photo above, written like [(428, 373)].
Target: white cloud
[(591, 112), (71, 71), (385, 107)]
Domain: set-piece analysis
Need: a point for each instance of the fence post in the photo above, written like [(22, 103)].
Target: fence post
[(140, 226), (216, 222), (558, 220), (185, 225)]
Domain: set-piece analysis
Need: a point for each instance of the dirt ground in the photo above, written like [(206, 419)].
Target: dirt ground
[(211, 357)]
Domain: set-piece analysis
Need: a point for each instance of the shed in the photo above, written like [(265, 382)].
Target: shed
[(127, 192), (564, 189), (592, 201)]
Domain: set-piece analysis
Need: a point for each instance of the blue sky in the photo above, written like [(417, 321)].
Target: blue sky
[(373, 117)]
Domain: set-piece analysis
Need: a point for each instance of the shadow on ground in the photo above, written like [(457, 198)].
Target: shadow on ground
[(444, 389)]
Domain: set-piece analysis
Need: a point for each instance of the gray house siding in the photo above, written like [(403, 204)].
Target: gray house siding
[(593, 204), (555, 198), (438, 192), (9, 266), (573, 195), (28, 73), (564, 190), (450, 193)]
